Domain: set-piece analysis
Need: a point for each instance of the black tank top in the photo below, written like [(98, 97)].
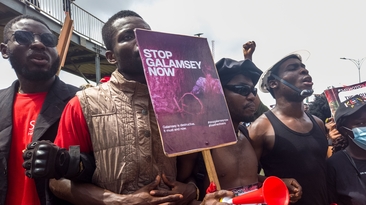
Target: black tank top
[(301, 156)]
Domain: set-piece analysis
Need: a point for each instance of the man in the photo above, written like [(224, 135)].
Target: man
[(346, 169), (115, 122), (30, 108), (237, 165), (289, 142)]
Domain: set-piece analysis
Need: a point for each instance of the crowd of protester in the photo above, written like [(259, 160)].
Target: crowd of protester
[(101, 144)]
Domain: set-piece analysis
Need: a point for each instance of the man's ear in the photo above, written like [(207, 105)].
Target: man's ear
[(111, 58), (4, 50), (273, 83)]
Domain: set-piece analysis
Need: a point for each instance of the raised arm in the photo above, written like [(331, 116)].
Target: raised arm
[(248, 50)]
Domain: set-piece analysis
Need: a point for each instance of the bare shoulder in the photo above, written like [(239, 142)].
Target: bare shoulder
[(261, 134), (259, 127), (320, 122)]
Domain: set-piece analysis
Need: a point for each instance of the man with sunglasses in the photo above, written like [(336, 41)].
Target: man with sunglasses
[(289, 142), (30, 108), (236, 165)]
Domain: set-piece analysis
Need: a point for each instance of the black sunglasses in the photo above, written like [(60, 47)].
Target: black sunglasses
[(27, 38), (243, 90)]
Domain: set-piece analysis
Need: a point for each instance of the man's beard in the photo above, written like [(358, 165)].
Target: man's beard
[(33, 75)]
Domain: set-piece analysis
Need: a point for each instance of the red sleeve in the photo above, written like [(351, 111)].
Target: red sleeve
[(73, 129)]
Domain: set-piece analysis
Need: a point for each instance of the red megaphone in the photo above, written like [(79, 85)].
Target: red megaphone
[(273, 192)]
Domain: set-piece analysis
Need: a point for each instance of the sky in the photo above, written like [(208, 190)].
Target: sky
[(328, 29)]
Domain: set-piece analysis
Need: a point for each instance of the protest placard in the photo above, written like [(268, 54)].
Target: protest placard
[(186, 94), (336, 95), (185, 91)]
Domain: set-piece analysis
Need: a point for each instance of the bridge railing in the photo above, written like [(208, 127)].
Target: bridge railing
[(85, 24)]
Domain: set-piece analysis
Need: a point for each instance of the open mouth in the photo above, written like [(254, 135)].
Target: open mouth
[(38, 59), (308, 81)]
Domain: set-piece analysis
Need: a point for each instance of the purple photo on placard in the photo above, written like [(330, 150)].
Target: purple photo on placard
[(186, 93)]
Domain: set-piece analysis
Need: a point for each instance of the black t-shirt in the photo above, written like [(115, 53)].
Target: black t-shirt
[(300, 156), (344, 186)]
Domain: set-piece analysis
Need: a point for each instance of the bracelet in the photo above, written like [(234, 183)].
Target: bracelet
[(197, 190)]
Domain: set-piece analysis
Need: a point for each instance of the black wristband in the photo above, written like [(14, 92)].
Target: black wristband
[(74, 163)]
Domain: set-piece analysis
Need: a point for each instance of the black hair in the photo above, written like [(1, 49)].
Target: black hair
[(108, 31), (339, 143), (15, 20), (275, 69), (320, 107)]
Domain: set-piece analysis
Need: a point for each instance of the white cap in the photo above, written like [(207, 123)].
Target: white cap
[(303, 55)]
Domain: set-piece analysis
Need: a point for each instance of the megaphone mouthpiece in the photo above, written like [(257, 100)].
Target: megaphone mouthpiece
[(227, 200)]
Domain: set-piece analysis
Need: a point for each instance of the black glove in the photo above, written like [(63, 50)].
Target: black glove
[(43, 159)]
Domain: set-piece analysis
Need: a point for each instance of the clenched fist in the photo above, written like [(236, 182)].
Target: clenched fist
[(43, 159)]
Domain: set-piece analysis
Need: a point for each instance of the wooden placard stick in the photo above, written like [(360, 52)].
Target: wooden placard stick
[(210, 167), (64, 40)]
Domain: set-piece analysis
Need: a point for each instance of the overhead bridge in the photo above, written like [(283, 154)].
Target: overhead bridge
[(86, 53)]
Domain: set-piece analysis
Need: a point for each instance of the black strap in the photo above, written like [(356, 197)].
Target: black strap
[(304, 93), (243, 129), (355, 167)]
